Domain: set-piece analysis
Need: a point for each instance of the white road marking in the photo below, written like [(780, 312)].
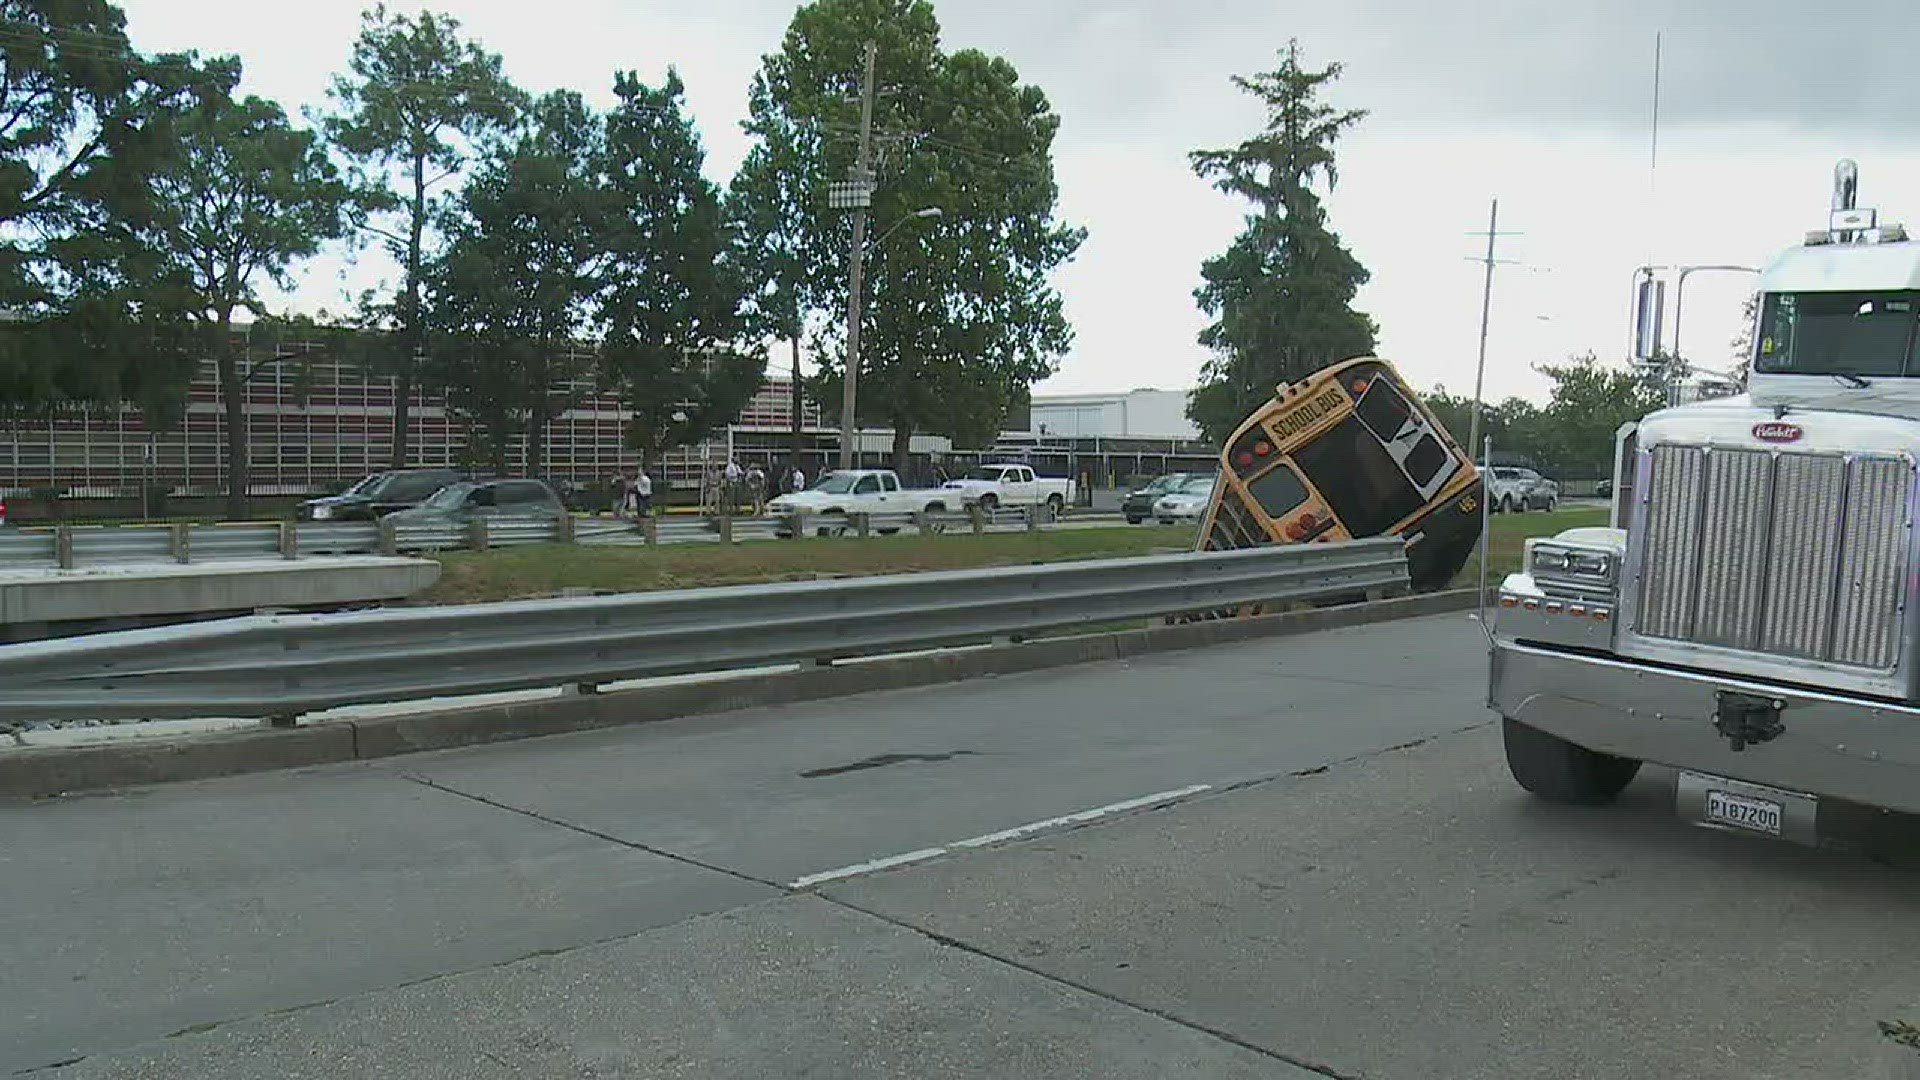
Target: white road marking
[(868, 867), (996, 837), (1081, 817)]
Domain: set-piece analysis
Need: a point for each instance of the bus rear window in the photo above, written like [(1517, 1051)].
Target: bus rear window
[(1360, 480), (1278, 492)]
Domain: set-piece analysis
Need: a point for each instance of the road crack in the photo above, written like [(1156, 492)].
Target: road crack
[(950, 942)]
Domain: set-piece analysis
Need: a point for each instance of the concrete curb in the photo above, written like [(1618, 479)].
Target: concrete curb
[(32, 773)]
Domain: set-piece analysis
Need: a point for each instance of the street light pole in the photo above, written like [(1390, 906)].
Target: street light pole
[(863, 177)]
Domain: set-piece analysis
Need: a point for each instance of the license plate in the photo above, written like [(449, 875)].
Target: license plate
[(1744, 812)]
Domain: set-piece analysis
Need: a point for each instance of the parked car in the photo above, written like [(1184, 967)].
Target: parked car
[(1604, 489), (495, 500), (376, 496), (1185, 503), (1138, 505), (994, 486), (1511, 490)]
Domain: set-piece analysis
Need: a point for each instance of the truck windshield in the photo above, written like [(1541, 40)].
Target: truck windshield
[(986, 474), (1844, 333), (836, 483)]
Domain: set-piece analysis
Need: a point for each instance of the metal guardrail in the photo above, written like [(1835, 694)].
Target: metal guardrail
[(68, 546), (279, 666)]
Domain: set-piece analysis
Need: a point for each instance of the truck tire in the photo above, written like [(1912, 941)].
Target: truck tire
[(1055, 507), (1555, 769), (989, 502)]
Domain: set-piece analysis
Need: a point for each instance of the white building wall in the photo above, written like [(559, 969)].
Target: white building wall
[(1141, 414)]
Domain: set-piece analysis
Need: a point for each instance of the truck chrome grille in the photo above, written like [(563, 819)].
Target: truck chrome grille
[(1795, 555)]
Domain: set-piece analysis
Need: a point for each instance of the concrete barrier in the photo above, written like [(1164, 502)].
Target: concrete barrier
[(36, 603), (40, 772)]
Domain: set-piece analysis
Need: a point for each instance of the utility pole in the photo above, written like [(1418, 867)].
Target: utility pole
[(863, 179), (1486, 310), (799, 404)]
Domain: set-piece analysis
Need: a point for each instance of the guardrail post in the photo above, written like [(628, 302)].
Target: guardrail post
[(923, 522), (796, 525), (726, 527), (289, 540), (386, 538), (650, 529), (563, 529), (977, 517), (862, 525), (180, 542), (63, 546), (477, 534), (1031, 516)]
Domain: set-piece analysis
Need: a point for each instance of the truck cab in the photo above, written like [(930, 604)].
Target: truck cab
[(1752, 618)]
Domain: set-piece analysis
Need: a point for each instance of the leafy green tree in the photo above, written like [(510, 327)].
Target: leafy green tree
[(415, 100), (511, 298), (248, 197), (674, 288), (961, 314), (1589, 402), (1741, 346), (83, 118), (1281, 296)]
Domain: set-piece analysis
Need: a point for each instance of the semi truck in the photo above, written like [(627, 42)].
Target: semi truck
[(1751, 615)]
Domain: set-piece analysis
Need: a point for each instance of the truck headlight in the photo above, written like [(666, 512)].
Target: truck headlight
[(1550, 561)]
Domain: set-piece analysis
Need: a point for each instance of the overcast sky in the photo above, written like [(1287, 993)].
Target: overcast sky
[(1546, 105)]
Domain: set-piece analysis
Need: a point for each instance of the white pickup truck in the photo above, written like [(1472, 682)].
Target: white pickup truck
[(863, 491), (1012, 485)]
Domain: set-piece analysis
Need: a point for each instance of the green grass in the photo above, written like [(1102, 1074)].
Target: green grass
[(1509, 534), (549, 569)]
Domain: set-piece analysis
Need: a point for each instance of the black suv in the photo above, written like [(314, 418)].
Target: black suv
[(379, 494)]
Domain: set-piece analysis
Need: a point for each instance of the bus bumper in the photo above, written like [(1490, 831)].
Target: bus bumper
[(1856, 750)]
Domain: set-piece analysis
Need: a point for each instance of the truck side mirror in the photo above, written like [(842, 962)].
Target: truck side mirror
[(1650, 305)]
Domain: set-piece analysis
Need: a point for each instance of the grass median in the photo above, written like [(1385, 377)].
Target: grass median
[(550, 569)]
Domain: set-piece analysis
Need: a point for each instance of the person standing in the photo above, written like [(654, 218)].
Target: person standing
[(757, 487), (643, 493), (798, 480), (619, 486), (731, 479)]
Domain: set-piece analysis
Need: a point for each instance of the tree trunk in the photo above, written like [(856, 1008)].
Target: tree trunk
[(902, 445), (412, 335), (233, 401), (537, 422)]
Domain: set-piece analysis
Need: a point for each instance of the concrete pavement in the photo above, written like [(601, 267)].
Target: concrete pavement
[(1295, 898)]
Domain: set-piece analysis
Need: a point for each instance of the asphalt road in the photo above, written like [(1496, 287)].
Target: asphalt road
[(1292, 858)]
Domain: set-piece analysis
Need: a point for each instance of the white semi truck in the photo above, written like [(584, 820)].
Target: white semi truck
[(1752, 618)]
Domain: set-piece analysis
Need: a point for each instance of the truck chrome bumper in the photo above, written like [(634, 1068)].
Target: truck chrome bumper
[(1853, 749)]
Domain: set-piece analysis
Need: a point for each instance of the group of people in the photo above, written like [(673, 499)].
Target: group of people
[(633, 493), (724, 483)]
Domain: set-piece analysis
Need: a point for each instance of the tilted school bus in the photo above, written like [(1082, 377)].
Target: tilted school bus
[(1348, 452)]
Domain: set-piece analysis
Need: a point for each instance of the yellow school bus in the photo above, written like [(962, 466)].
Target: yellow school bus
[(1348, 452)]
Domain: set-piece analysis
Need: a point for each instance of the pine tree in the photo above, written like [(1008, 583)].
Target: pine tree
[(1281, 296)]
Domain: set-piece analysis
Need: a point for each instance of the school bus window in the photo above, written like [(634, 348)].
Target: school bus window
[(1278, 492), (1426, 459), (1383, 409), (1359, 479)]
